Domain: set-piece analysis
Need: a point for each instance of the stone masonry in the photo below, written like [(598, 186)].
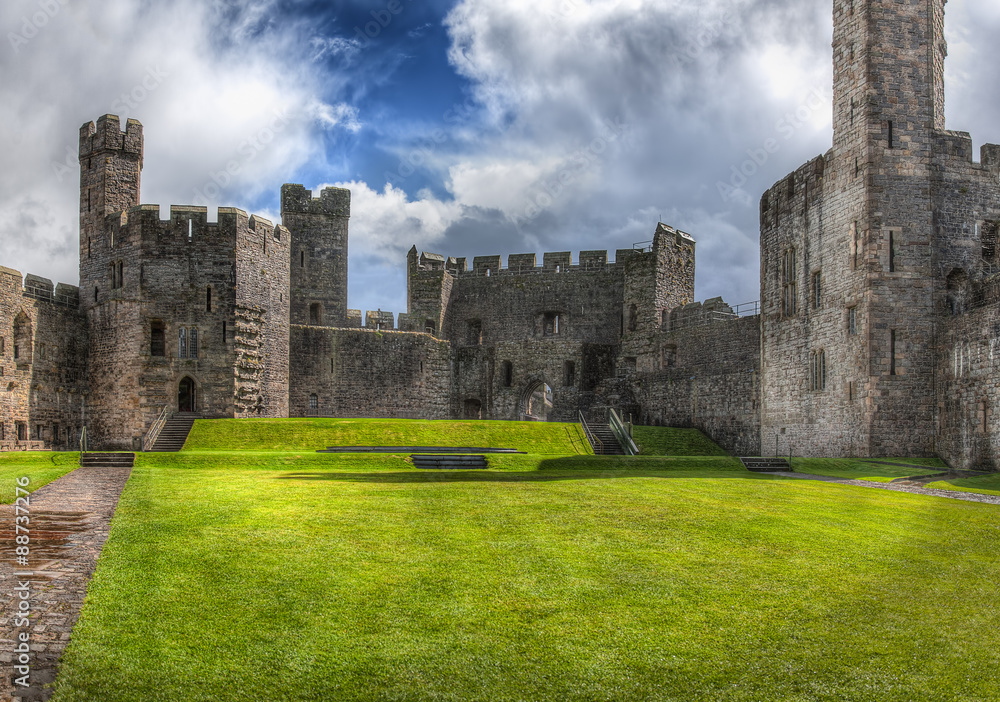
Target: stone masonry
[(876, 333)]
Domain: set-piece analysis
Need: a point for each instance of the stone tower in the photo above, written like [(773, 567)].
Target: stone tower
[(318, 253), (848, 248)]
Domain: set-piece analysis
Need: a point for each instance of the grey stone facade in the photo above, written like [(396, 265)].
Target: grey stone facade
[(876, 335)]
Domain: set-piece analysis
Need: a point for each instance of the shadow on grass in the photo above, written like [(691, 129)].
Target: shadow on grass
[(548, 470)]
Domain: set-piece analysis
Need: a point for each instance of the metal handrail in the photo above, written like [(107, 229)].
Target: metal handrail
[(595, 443), (83, 440), (154, 430), (621, 433)]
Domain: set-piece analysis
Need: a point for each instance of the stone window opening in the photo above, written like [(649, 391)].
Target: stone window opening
[(507, 374), (569, 374), (817, 370), (850, 391), (475, 335), (817, 290), (96, 291), (190, 230), (225, 335), (892, 352), (891, 135), (430, 326), (193, 343), (23, 339), (2, 432), (892, 251), (121, 274), (855, 246), (2, 346), (22, 431), (633, 317), (182, 348), (550, 324), (314, 403), (88, 238), (315, 314), (421, 366), (852, 320), (302, 258), (208, 299), (668, 356), (989, 234), (157, 338), (983, 417), (789, 283)]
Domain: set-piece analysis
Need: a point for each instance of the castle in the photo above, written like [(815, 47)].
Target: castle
[(877, 332)]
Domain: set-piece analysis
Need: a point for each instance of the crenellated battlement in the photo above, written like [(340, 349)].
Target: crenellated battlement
[(42, 289), (187, 224), (296, 198), (107, 135)]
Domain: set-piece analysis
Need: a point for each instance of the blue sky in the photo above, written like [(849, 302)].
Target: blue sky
[(466, 127)]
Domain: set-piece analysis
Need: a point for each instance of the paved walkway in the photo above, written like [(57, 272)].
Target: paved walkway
[(895, 487), (70, 519)]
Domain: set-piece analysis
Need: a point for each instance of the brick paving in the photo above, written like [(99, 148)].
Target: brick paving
[(69, 522)]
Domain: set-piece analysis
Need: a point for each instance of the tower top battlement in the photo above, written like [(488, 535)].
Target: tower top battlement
[(107, 135)]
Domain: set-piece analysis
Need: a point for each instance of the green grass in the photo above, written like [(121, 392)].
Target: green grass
[(860, 469), (984, 484), (667, 441), (313, 434), (42, 467), (297, 576)]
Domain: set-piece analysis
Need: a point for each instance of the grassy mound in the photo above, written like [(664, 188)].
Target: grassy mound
[(313, 434), (42, 467), (988, 484), (667, 441)]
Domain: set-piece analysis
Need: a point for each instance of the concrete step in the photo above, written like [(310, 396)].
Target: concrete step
[(174, 433), (758, 464), (449, 462), (107, 460)]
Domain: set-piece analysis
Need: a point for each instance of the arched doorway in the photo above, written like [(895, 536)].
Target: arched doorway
[(536, 402), (186, 396), (473, 409)]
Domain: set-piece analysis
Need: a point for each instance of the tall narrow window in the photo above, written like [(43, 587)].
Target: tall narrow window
[(817, 370), (855, 246), (193, 344), (507, 374), (121, 274), (789, 283), (892, 144), (208, 299), (3, 347), (569, 374), (190, 230), (892, 251), (852, 320), (314, 403), (315, 314), (182, 345), (157, 341), (817, 290), (892, 352), (302, 259), (475, 332), (225, 336)]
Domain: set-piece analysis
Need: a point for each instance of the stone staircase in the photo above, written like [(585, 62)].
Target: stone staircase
[(449, 462), (107, 460), (757, 464), (175, 432), (609, 445)]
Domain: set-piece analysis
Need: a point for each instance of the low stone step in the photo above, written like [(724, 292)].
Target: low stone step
[(449, 462), (107, 460), (758, 464)]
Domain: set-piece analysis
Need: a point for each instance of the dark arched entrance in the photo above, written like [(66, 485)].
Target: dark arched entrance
[(536, 401), (186, 396)]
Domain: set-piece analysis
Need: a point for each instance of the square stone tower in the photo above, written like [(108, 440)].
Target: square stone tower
[(848, 249)]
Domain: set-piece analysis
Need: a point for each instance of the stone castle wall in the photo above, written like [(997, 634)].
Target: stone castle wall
[(368, 373), (43, 357)]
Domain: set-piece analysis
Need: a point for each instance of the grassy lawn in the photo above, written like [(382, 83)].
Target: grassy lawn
[(663, 441), (313, 434), (985, 485), (41, 466), (297, 576), (858, 469)]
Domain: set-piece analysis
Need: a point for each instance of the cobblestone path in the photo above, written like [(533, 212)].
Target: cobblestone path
[(69, 522)]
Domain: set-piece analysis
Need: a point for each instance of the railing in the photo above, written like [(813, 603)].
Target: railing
[(154, 431), (595, 443), (622, 433), (83, 440)]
